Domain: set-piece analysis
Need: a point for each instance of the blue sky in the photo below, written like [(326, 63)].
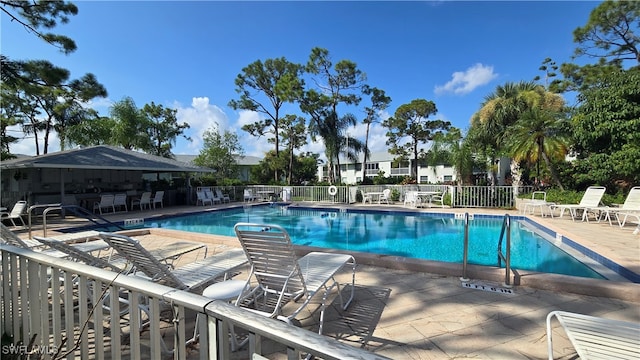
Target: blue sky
[(186, 55)]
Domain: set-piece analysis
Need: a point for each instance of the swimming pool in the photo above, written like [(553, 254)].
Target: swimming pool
[(427, 236)]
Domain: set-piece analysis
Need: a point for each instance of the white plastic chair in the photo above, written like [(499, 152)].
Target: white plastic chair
[(106, 202), (143, 201), (158, 199), (119, 201), (385, 197), (202, 199), (223, 197), (16, 213), (590, 199)]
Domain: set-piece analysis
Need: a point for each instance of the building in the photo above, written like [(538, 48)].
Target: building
[(383, 162)]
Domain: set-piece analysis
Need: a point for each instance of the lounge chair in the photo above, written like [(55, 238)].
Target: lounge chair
[(202, 199), (596, 337), (158, 198), (223, 197), (539, 200), (106, 202), (83, 241), (630, 208), (143, 201), (590, 199), (120, 201), (277, 275), (118, 264), (191, 276), (16, 213)]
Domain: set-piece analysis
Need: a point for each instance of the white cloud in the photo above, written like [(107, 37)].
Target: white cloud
[(463, 82), (201, 116)]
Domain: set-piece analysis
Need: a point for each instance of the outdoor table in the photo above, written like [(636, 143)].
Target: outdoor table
[(425, 196), (266, 195), (370, 196)]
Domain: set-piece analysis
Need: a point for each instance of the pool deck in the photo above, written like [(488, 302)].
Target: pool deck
[(409, 314)]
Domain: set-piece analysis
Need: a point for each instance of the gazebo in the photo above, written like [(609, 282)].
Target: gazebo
[(83, 174)]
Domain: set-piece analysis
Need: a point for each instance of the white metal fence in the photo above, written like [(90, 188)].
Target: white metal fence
[(47, 308), (455, 196)]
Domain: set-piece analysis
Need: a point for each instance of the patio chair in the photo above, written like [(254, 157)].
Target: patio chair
[(590, 199), (211, 196), (223, 197), (412, 198), (120, 201), (437, 199), (202, 199), (158, 198), (281, 276), (16, 213), (385, 197), (248, 195), (596, 337), (143, 201), (190, 277), (106, 202)]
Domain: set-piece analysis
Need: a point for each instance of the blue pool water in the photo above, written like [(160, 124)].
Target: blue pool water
[(437, 237)]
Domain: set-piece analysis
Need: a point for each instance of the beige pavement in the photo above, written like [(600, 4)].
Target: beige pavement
[(406, 314)]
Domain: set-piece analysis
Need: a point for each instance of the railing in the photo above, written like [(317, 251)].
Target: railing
[(502, 256), (49, 301), (506, 256), (483, 196), (76, 210)]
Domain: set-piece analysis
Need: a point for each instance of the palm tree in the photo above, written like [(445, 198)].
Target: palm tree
[(502, 109), (537, 135)]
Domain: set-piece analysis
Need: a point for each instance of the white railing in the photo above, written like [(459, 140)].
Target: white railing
[(457, 196), (400, 171), (47, 302)]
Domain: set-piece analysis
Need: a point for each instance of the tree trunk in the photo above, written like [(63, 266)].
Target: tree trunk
[(552, 170)]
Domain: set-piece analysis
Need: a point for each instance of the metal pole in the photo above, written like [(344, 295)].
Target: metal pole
[(466, 248), (507, 280)]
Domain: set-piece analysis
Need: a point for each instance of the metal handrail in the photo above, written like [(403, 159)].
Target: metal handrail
[(506, 228), (466, 248), (76, 210)]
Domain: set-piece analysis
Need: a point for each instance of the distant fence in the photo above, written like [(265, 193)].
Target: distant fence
[(456, 196)]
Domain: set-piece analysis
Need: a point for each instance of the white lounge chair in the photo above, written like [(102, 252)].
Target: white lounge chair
[(539, 200), (82, 241), (16, 213), (277, 275), (590, 199), (630, 208), (106, 202), (191, 276), (596, 337), (144, 201)]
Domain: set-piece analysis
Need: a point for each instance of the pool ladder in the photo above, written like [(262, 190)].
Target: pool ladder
[(502, 256)]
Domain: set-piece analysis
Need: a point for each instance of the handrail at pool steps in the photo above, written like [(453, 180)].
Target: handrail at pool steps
[(506, 257), (506, 227)]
